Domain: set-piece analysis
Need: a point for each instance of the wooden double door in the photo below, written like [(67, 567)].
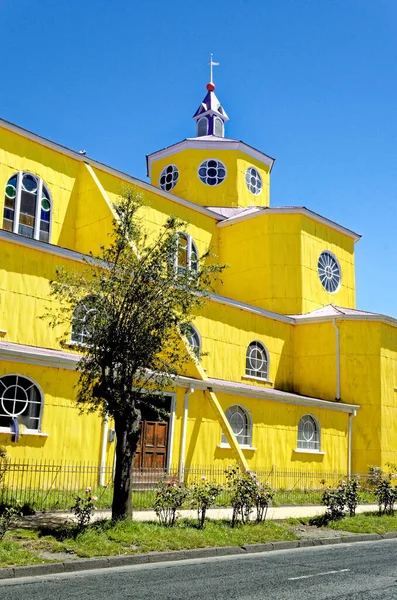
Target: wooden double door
[(151, 452)]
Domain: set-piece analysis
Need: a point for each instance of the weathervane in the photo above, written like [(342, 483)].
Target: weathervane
[(212, 64)]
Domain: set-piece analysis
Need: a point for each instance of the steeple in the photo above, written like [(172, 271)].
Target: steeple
[(210, 117)]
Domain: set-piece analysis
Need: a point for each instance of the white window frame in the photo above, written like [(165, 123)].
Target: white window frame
[(206, 160), (300, 447), (339, 269), (17, 206), (222, 127), (25, 430), (197, 333), (206, 126), (224, 443), (258, 377), (191, 245)]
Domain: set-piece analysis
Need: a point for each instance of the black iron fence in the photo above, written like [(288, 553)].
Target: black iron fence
[(48, 485)]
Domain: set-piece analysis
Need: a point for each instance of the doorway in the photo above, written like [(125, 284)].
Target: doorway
[(153, 450)]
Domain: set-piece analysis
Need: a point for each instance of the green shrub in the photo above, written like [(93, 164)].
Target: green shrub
[(83, 508), (7, 518), (204, 495), (169, 497)]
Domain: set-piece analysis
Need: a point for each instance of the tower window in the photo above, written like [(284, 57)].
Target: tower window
[(308, 433), (168, 177), (253, 181), (202, 127), (212, 172), (329, 272), (218, 127), (27, 207), (257, 361), (241, 424)]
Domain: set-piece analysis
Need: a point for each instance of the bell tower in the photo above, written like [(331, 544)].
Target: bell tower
[(210, 116)]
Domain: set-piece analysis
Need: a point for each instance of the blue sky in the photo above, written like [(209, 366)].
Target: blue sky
[(311, 82)]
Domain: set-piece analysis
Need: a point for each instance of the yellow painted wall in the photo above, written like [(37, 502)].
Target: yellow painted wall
[(315, 238), (314, 362), (360, 384), (273, 263), (72, 437), (226, 333), (232, 192), (274, 437), (388, 376)]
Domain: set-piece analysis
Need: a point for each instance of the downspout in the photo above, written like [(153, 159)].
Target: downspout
[(337, 358), (183, 435), (349, 444), (102, 470)]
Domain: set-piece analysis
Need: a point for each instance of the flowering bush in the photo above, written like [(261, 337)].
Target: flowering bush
[(203, 495), (83, 507), (247, 492), (386, 496), (263, 498), (7, 517), (344, 497), (170, 496)]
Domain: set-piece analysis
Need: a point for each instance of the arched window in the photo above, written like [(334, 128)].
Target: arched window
[(241, 424), (20, 399), (187, 254), (308, 433), (83, 316), (257, 361), (27, 207), (193, 337), (218, 127), (202, 127)]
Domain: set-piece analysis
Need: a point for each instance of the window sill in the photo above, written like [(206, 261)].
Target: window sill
[(242, 446), (308, 451), (25, 432), (71, 344), (253, 378)]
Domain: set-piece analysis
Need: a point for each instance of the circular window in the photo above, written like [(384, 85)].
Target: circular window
[(45, 204), (329, 272), (212, 172), (253, 181), (169, 177), (29, 183)]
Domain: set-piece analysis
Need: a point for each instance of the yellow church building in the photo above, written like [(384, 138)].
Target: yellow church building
[(289, 373)]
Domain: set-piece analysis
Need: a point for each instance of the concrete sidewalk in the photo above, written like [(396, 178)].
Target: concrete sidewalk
[(51, 518)]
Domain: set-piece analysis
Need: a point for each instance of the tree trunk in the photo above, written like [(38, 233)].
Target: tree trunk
[(127, 438)]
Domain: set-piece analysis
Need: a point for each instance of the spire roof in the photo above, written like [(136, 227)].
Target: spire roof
[(210, 116)]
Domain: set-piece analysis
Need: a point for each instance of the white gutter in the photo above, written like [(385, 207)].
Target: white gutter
[(337, 359), (252, 309), (183, 435), (102, 471)]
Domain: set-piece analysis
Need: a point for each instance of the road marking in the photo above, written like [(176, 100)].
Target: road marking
[(318, 574)]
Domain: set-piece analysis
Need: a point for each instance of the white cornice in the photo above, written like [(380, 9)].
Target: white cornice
[(307, 319), (205, 144), (264, 394), (102, 167), (14, 238), (38, 356), (290, 210)]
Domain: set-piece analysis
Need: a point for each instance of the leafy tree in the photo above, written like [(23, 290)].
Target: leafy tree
[(139, 305)]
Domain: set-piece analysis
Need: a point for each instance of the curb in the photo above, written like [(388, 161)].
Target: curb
[(86, 564)]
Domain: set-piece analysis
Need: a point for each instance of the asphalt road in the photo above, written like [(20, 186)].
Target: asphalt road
[(360, 571)]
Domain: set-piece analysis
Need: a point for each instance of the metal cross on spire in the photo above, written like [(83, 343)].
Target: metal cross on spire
[(212, 64)]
